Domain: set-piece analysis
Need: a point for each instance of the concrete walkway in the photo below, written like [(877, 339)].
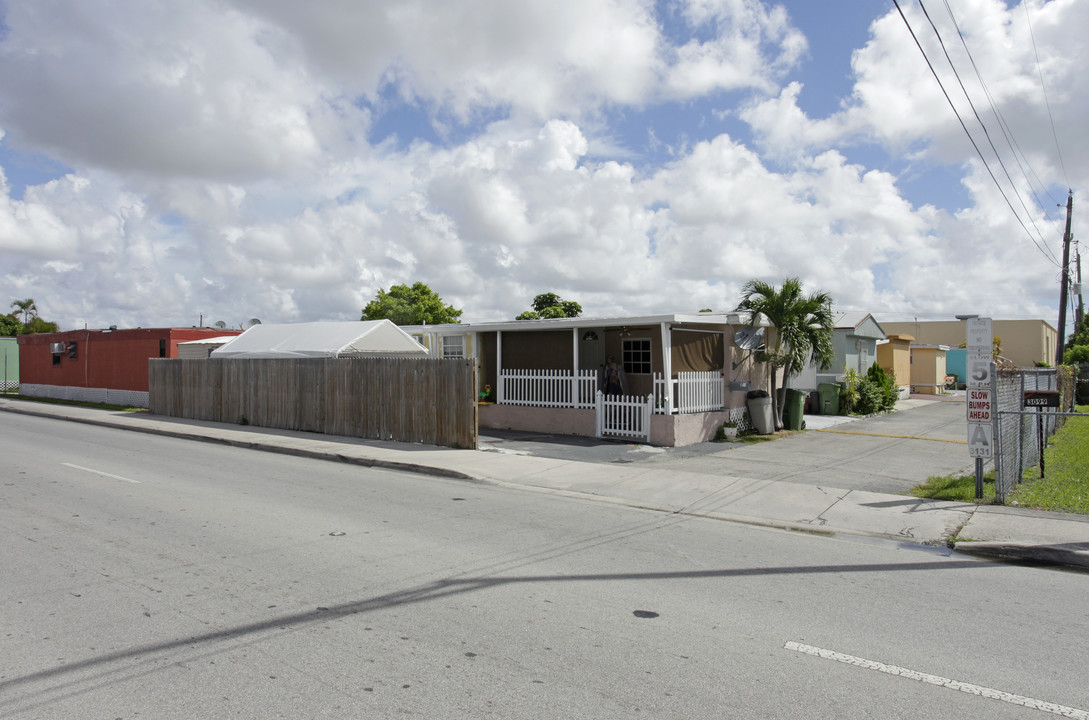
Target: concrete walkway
[(992, 531)]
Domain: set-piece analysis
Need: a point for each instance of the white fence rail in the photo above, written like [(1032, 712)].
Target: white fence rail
[(547, 388), (625, 416), (692, 392)]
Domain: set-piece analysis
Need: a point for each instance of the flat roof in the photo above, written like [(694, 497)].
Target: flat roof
[(711, 318)]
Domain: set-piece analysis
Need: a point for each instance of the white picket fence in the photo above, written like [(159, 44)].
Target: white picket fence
[(626, 416), (109, 396), (693, 392), (547, 388)]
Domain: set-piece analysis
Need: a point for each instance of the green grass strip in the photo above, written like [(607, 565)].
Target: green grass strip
[(1065, 485)]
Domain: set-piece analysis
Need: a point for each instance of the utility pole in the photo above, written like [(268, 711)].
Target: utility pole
[(1065, 282)]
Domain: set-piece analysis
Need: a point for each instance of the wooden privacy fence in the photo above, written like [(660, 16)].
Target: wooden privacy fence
[(429, 401)]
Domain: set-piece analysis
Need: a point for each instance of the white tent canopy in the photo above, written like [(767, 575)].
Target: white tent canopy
[(372, 338)]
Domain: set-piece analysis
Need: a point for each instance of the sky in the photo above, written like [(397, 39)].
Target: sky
[(181, 162)]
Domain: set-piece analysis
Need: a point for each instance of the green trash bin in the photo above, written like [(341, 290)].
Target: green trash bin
[(829, 398), (794, 409)]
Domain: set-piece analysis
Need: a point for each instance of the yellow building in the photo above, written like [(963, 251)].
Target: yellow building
[(928, 369), (895, 356), (1025, 342)]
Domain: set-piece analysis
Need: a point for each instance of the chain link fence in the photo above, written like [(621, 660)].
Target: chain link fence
[(1023, 433)]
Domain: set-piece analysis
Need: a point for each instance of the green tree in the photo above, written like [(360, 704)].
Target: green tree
[(1080, 336), (802, 329), (37, 325), (27, 307), (30, 323), (10, 325), (551, 305), (416, 305), (1076, 355)]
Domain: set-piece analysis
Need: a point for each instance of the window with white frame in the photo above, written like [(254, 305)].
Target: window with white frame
[(453, 346), (636, 356)]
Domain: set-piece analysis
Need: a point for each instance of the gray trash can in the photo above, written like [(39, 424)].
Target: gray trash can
[(761, 411)]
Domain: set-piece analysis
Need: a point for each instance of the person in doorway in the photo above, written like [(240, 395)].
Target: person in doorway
[(614, 377)]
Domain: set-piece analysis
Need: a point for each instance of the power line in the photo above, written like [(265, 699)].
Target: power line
[(987, 133), (983, 125), (1043, 87), (1007, 132), (964, 127)]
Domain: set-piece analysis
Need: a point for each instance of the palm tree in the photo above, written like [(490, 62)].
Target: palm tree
[(803, 329), (27, 307)]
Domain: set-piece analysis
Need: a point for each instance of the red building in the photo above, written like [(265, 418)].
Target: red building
[(99, 365)]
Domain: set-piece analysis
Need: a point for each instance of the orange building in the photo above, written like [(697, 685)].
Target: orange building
[(99, 365)]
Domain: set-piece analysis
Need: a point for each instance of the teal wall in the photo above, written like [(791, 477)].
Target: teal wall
[(956, 362), (9, 363)]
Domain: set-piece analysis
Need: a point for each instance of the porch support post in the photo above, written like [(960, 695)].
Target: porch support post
[(667, 366), (575, 367), (500, 396), (727, 362)]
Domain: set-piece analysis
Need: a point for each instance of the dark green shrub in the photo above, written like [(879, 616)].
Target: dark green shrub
[(870, 397), (885, 380)]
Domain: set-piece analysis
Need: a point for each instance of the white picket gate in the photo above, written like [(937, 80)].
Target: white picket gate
[(624, 416)]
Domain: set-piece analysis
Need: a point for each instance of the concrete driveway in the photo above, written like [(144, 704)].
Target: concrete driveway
[(888, 453)]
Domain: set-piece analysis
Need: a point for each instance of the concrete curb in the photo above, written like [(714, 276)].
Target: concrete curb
[(1024, 552)]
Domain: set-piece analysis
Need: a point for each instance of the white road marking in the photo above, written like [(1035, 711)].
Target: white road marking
[(943, 682), (103, 474)]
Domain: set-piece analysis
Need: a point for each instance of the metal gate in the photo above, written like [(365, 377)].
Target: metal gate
[(625, 416)]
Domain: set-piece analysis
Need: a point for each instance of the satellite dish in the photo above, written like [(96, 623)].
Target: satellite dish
[(749, 338), (221, 325), (251, 322)]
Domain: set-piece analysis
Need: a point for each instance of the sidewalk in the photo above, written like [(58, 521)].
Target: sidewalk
[(990, 531)]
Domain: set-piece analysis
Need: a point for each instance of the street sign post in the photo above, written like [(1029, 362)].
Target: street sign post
[(979, 367), (980, 423)]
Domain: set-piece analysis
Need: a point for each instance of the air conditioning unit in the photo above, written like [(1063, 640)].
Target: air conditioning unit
[(57, 348)]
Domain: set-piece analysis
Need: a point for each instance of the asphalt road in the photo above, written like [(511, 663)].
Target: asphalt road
[(145, 576), (887, 453)]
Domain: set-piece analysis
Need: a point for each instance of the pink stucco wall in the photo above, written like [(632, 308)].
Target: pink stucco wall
[(665, 430)]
